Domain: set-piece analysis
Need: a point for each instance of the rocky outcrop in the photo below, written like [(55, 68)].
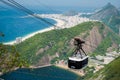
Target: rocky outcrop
[(93, 40), (45, 60)]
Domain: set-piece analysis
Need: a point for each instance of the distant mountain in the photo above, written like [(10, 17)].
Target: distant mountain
[(110, 72), (110, 15), (107, 11)]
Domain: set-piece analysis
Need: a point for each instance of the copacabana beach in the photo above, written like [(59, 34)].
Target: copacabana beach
[(61, 22)]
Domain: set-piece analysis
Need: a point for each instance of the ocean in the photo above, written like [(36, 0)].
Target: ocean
[(46, 73), (13, 23)]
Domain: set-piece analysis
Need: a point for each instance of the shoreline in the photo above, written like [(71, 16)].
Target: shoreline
[(61, 23), (58, 23), (65, 67), (75, 71)]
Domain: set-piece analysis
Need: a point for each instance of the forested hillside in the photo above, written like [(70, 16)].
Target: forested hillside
[(48, 47)]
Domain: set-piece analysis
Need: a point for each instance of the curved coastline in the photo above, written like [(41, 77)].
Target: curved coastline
[(61, 22), (58, 23)]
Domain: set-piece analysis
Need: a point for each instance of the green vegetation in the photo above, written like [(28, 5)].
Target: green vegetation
[(113, 22), (109, 38), (59, 41), (101, 49), (55, 41), (10, 58), (110, 72), (52, 42)]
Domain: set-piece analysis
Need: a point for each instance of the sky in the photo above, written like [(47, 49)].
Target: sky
[(81, 3), (72, 3)]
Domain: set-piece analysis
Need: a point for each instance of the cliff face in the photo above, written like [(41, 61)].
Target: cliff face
[(93, 40)]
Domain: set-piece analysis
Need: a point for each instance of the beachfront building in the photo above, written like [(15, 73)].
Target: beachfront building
[(18, 40)]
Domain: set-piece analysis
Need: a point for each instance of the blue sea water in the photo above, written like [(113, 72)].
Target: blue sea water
[(13, 24), (46, 73)]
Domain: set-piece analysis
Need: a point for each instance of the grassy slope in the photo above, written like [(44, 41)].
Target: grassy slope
[(58, 39)]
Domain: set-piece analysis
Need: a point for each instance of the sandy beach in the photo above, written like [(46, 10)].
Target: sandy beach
[(62, 22), (59, 23), (78, 72)]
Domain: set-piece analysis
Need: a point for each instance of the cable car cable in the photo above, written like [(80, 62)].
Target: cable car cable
[(18, 6), (21, 8), (30, 12), (34, 15)]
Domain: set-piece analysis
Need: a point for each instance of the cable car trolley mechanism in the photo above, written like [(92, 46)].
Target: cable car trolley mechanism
[(79, 58)]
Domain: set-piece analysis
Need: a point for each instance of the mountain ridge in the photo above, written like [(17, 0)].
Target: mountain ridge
[(106, 11), (110, 15)]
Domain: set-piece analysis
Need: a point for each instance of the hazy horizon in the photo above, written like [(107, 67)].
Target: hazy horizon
[(67, 3)]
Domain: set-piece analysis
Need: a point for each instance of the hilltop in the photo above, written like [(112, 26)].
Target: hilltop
[(49, 47)]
